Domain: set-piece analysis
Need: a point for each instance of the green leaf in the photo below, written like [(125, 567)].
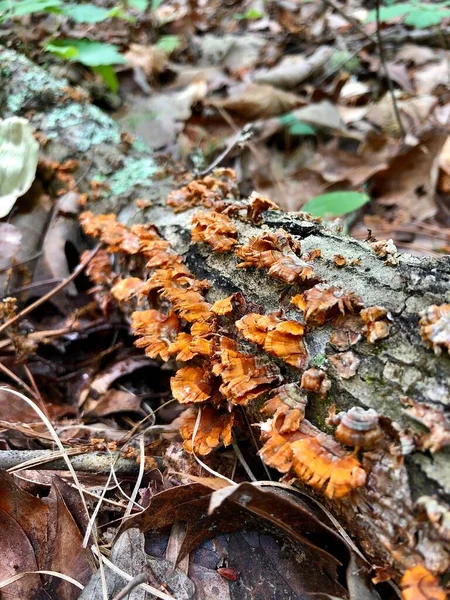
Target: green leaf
[(168, 43), (108, 75), (91, 54), (66, 52), (86, 13), (335, 204), (425, 16), (251, 15), (139, 5), (295, 126), (19, 8), (389, 12), (156, 4)]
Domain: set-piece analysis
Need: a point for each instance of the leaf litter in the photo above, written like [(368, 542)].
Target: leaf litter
[(323, 123)]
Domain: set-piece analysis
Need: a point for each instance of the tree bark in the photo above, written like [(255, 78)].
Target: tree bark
[(392, 518)]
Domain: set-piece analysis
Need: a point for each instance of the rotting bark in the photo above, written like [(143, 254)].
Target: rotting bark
[(384, 517)]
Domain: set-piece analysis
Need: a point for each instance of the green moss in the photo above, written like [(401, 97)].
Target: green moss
[(140, 145), (318, 361), (85, 125), (135, 172)]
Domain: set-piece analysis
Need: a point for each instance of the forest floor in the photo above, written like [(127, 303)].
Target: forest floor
[(332, 108)]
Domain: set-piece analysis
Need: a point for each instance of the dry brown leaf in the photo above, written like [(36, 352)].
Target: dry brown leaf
[(259, 102)]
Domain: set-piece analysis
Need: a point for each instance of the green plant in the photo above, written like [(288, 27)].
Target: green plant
[(252, 15), (96, 55), (335, 204), (414, 13), (295, 126)]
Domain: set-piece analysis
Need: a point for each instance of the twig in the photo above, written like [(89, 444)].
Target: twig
[(83, 264), (131, 585), (386, 72), (88, 462), (353, 22), (242, 136)]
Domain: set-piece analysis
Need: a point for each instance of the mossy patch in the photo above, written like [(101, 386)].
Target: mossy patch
[(87, 126), (138, 171)]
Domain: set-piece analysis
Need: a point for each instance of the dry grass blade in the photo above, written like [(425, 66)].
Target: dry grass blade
[(144, 586), (200, 462), (137, 485), (18, 576)]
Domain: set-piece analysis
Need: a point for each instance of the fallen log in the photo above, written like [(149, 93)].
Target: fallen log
[(400, 517)]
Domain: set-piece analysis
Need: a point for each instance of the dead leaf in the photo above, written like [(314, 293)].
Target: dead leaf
[(233, 52), (17, 556), (116, 370), (259, 101), (128, 553), (151, 59), (295, 69), (113, 401), (409, 183), (249, 505)]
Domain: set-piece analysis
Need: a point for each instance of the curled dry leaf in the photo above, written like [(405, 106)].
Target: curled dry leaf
[(324, 302), (190, 384), (205, 191), (214, 429), (243, 379), (345, 363), (435, 327), (317, 467), (214, 228), (419, 584), (356, 427), (156, 331), (259, 102), (315, 380)]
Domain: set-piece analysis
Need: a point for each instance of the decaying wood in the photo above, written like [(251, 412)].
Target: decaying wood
[(393, 518)]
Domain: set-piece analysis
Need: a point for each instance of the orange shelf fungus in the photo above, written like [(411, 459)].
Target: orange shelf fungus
[(280, 254), (204, 192), (243, 380), (324, 302), (356, 427), (156, 331), (435, 327), (286, 342), (316, 466), (376, 326), (214, 228), (226, 306), (190, 385), (283, 339), (419, 584), (126, 289), (214, 429), (315, 380)]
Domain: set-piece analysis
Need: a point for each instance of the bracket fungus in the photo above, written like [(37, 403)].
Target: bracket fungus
[(19, 153)]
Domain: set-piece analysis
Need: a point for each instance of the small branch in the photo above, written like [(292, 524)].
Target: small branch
[(386, 72), (353, 22), (90, 462), (83, 264)]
